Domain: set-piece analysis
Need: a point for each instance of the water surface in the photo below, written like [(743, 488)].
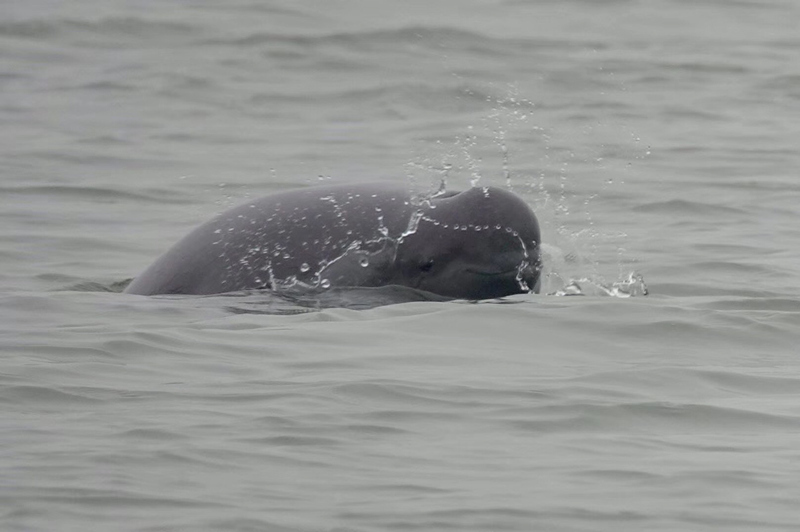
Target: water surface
[(656, 137)]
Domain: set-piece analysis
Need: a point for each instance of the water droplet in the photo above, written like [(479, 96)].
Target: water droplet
[(304, 267), (572, 289), (325, 283), (364, 262)]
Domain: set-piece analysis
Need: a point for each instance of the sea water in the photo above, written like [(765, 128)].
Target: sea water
[(655, 139)]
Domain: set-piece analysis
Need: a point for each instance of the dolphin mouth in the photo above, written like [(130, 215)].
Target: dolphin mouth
[(525, 275), (486, 273), (520, 279)]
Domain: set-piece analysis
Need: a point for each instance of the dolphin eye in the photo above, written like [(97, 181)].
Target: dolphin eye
[(426, 266)]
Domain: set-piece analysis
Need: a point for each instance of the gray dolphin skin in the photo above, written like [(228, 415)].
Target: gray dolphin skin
[(481, 243)]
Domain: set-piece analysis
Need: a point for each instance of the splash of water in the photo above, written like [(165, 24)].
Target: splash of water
[(630, 285)]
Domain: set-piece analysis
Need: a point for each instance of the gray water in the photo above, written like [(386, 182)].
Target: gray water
[(654, 138)]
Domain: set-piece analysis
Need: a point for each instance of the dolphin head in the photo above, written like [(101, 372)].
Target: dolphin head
[(478, 244)]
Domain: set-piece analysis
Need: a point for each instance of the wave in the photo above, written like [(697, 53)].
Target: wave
[(41, 395), (407, 38), (686, 207), (95, 193), (113, 28)]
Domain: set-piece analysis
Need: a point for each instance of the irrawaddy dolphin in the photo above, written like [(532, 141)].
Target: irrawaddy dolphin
[(481, 243)]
